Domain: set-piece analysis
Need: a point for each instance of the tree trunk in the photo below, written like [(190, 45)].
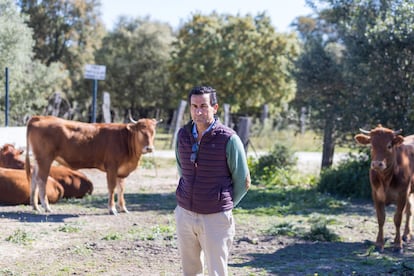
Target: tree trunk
[(328, 145)]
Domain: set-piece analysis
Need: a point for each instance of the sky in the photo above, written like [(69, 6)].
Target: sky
[(175, 12)]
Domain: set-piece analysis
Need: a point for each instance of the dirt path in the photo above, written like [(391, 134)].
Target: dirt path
[(80, 238)]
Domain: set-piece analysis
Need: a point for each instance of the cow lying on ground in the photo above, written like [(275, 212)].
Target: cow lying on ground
[(391, 178), (10, 157), (75, 183), (15, 189), (113, 148)]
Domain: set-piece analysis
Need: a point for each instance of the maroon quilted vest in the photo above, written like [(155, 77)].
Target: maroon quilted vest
[(207, 187)]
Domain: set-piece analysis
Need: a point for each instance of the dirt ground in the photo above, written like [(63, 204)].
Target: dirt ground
[(80, 238)]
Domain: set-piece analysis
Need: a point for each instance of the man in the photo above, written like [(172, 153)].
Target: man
[(214, 177)]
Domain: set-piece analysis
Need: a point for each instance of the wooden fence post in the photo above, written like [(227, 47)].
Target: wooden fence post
[(226, 114), (106, 107), (179, 118), (243, 130)]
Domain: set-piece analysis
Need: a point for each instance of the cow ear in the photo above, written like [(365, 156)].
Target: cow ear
[(130, 127), (362, 139), (134, 127), (398, 140)]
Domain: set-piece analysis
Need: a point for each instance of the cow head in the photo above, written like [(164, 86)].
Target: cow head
[(10, 157), (143, 133), (383, 142)]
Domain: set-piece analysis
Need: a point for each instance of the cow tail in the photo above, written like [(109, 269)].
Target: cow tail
[(27, 163)]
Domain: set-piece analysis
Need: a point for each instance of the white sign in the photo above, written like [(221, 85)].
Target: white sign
[(94, 72)]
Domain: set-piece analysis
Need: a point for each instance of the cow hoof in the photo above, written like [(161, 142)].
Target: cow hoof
[(123, 210), (113, 211)]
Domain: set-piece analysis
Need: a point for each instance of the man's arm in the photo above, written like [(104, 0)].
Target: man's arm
[(177, 158), (237, 163)]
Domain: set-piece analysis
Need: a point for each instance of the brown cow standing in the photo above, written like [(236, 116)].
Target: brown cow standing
[(113, 148), (15, 189), (75, 183), (391, 178)]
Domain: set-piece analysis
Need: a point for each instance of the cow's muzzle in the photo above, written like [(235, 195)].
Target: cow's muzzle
[(378, 165)]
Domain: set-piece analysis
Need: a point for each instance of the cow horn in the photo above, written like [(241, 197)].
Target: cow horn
[(397, 132), (365, 131), (130, 117)]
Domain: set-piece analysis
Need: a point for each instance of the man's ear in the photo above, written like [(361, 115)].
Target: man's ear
[(216, 106)]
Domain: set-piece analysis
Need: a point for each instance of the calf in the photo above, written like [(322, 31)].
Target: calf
[(15, 188), (391, 178), (115, 149), (75, 183)]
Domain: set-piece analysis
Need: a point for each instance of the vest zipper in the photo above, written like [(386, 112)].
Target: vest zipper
[(195, 175)]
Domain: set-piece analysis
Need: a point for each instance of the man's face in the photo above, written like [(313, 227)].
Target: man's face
[(202, 112)]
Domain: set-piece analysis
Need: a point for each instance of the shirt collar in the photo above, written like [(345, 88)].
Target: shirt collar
[(195, 133)]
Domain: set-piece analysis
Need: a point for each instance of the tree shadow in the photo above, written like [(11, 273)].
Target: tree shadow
[(330, 258), (34, 217), (135, 202)]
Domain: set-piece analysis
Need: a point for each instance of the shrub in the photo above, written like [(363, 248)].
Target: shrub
[(320, 232), (349, 179), (277, 163)]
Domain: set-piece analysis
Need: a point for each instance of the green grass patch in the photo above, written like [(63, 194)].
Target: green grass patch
[(20, 237), (83, 250), (282, 229), (7, 272), (320, 232), (266, 139), (69, 228), (148, 161), (112, 237), (287, 200), (159, 232)]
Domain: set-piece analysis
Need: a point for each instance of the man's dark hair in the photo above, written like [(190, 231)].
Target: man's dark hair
[(200, 90)]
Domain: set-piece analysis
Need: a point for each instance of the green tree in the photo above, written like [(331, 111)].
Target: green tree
[(320, 82), (29, 81), (243, 57), (379, 62), (136, 54), (68, 32), (372, 82)]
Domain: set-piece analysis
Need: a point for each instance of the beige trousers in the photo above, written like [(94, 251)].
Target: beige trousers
[(204, 236)]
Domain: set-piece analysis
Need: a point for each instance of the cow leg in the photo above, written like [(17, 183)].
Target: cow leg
[(38, 182), (121, 199), (34, 193), (112, 183), (408, 218), (397, 222), (380, 210)]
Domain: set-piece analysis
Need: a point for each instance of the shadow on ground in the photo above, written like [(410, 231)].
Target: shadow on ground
[(331, 258)]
